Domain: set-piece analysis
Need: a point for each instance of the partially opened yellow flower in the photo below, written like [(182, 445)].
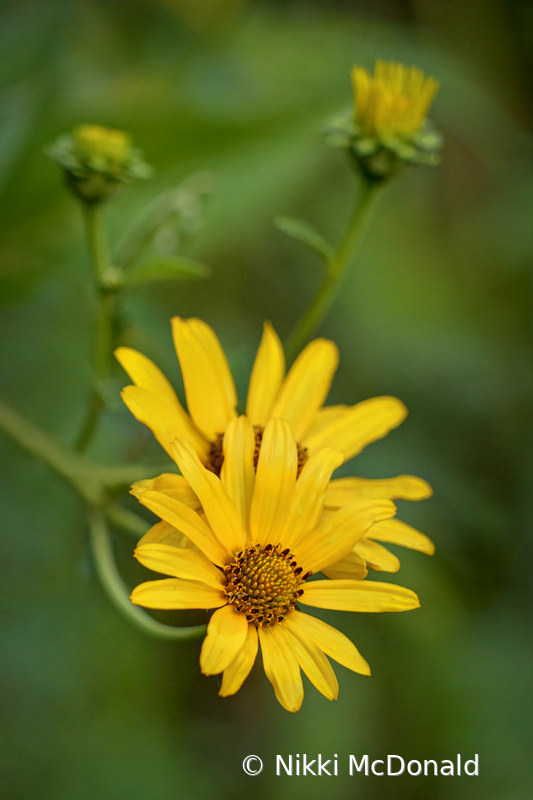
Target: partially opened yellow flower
[(250, 555), (297, 397)]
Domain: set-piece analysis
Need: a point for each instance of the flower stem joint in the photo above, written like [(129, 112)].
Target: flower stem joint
[(387, 128), (97, 161)]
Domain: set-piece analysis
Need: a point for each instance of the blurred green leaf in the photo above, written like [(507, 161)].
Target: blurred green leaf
[(305, 233), (167, 268)]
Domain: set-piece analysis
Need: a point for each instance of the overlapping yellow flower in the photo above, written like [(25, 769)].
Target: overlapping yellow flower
[(297, 397), (250, 554)]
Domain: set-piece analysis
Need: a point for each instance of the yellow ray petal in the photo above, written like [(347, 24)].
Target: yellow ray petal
[(217, 506), (377, 557), (176, 593), (239, 669), (324, 418), (311, 487), (398, 532), (188, 522), (351, 567), (163, 419), (326, 545), (312, 660), (333, 643), (164, 533), (368, 596), (404, 487), (180, 563), (306, 386), (209, 387), (172, 485), (281, 668), (238, 474), (360, 425), (226, 635), (145, 374), (274, 483), (266, 378)]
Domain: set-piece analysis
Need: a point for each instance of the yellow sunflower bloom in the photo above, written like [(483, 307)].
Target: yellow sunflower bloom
[(249, 555), (297, 397)]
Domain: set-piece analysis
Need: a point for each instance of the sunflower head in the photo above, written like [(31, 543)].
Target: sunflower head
[(249, 551), (387, 127), (97, 160)]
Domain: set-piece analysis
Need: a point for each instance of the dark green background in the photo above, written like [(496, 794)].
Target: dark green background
[(436, 311)]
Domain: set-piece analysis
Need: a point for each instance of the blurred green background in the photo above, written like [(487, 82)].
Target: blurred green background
[(437, 312)]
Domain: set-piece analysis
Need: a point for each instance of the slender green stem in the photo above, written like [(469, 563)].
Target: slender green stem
[(117, 591), (101, 269), (336, 269), (127, 520)]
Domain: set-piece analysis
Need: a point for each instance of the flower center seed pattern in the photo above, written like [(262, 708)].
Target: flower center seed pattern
[(216, 452), (263, 583)]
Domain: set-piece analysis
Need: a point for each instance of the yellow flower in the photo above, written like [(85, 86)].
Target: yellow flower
[(394, 102), (250, 554), (104, 145), (297, 397)]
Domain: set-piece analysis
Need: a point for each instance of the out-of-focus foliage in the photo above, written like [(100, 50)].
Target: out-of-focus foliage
[(436, 312)]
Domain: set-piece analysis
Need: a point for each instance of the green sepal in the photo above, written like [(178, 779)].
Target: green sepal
[(166, 268), (305, 233)]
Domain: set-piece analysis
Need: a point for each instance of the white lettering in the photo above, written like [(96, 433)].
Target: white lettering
[(322, 765), (374, 767), (307, 766), (435, 767), (458, 764), (280, 763), (389, 765), (359, 767), (447, 770), (418, 765), (475, 762)]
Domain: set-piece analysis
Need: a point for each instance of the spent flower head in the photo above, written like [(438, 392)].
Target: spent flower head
[(97, 161), (388, 128)]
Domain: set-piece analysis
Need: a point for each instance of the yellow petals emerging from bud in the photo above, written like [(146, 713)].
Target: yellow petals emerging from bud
[(97, 161), (394, 102), (387, 128)]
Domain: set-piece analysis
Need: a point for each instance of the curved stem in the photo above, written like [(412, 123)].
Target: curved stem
[(100, 264), (336, 269), (117, 591)]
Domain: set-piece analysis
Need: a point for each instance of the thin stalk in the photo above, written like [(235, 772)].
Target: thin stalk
[(99, 258), (335, 269), (117, 590)]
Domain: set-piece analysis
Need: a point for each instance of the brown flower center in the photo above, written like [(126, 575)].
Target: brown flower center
[(216, 452), (262, 582)]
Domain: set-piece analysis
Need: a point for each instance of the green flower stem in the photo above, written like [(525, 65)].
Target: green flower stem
[(117, 591), (336, 268), (126, 520), (103, 280)]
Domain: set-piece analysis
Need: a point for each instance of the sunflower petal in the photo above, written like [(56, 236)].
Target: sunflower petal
[(236, 673), (266, 378), (163, 419), (331, 641), (306, 386), (172, 485), (335, 539), (216, 503), (164, 533), (226, 635), (281, 668), (368, 596), (311, 487), (209, 386), (404, 487), (144, 373), (360, 425), (188, 522), (180, 563), (237, 474), (398, 532), (377, 557), (275, 482), (351, 567), (312, 660), (176, 593)]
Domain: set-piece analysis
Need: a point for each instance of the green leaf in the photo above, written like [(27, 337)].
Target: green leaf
[(167, 268), (305, 233)]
